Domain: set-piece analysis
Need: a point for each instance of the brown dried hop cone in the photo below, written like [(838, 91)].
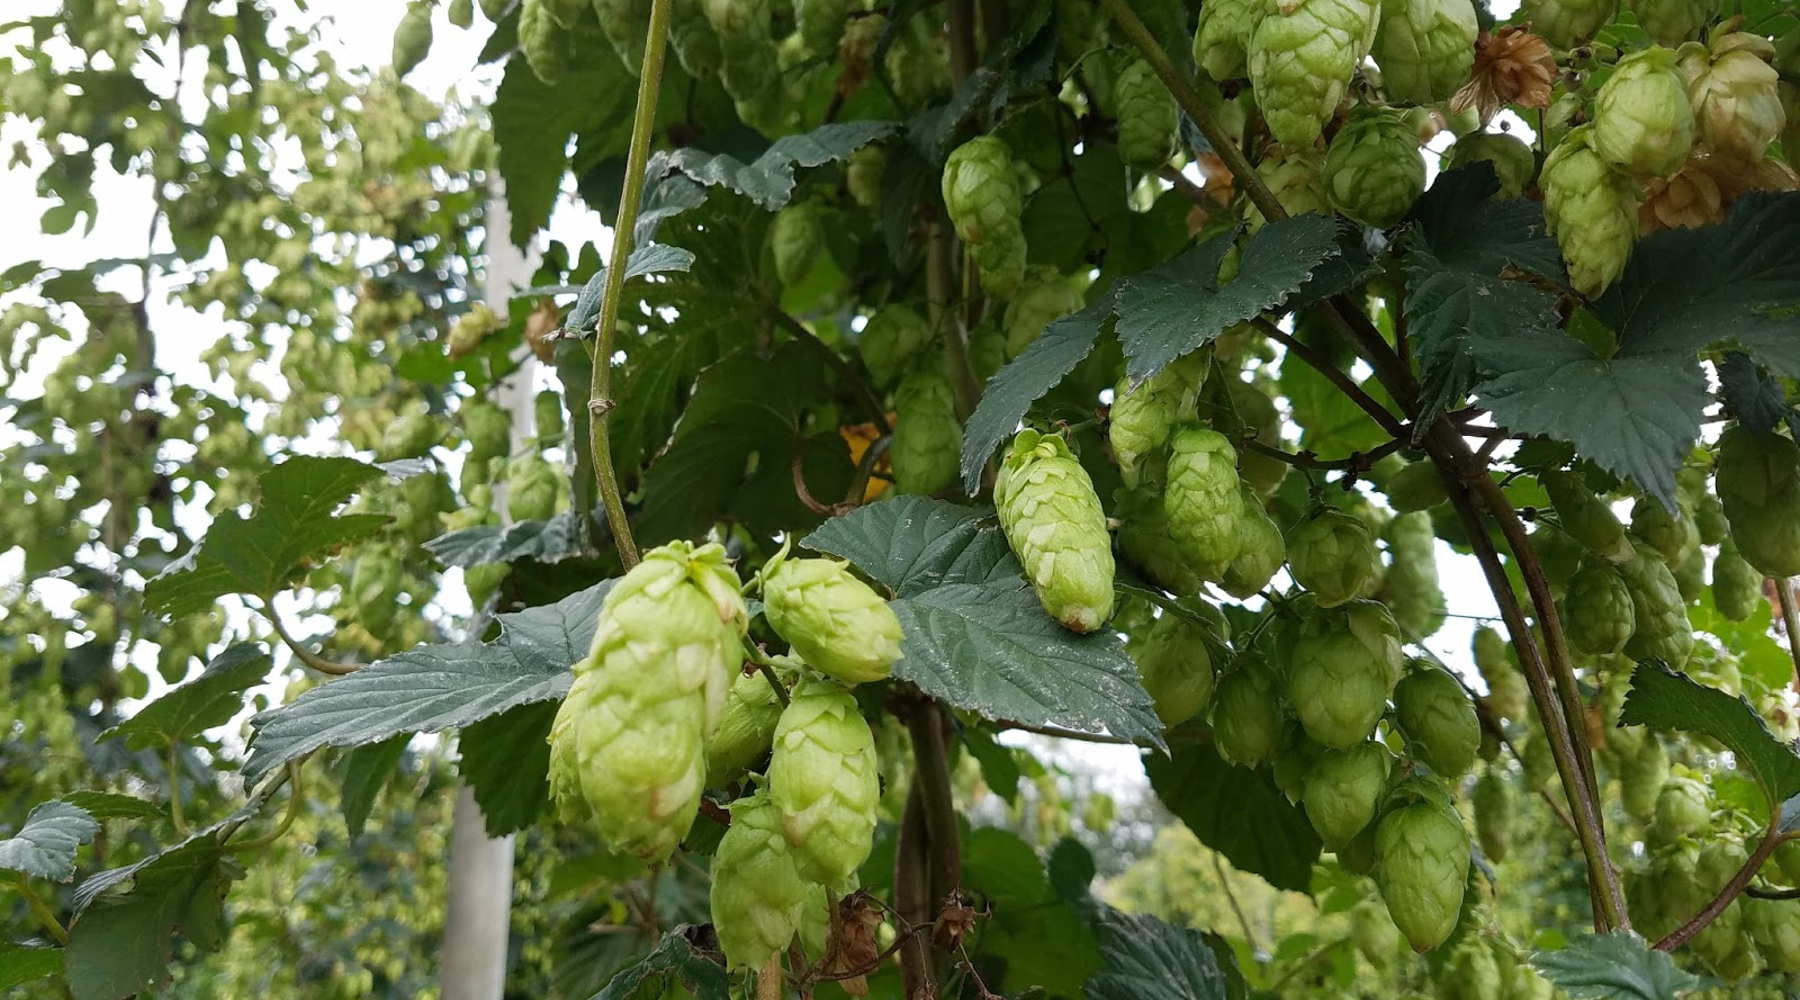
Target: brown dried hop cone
[(822, 778), (1512, 66)]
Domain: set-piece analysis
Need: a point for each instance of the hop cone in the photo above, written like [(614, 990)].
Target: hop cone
[(1246, 715), (981, 193), (1759, 486), (1142, 417), (1438, 720), (623, 23), (1261, 550), (1598, 613), (1472, 973), (927, 437), (1774, 927), (890, 341), (1592, 211), (864, 173), (488, 429), (1671, 22), (692, 38), (1343, 789), (1301, 56), (1736, 585), (1222, 35), (1374, 933), (1332, 556), (1345, 662), (1568, 23), (1410, 588), (1045, 297), (1422, 864), (833, 621), (1147, 116), (1425, 48), (1297, 179), (1671, 533), (1202, 499), (1172, 661), (823, 780), (1145, 541), (748, 65), (1374, 170), (1661, 615), (533, 487), (1643, 122), (412, 39), (629, 742), (1511, 157), (795, 238), (1415, 486), (821, 25), (745, 729), (1492, 801), (1054, 522), (758, 896), (1257, 411), (1586, 517)]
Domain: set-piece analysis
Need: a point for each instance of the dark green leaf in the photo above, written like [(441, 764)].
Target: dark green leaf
[(366, 771), (123, 940), (1147, 959), (112, 805), (675, 959), (992, 650), (45, 846), (1071, 870), (1619, 966), (203, 703), (1465, 232), (1033, 930), (546, 541), (911, 544), (23, 963), (1663, 699), (769, 181), (1755, 398), (506, 760), (435, 687), (650, 258), (532, 125), (261, 554), (1238, 812), (999, 766)]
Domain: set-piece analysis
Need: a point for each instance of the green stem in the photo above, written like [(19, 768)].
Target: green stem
[(300, 652), (600, 401), (1790, 623), (41, 910), (172, 763), (946, 318), (291, 813), (768, 673)]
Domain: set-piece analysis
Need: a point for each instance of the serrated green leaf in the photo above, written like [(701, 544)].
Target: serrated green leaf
[(1147, 959), (769, 180), (1032, 929), (506, 760), (203, 703), (911, 544), (261, 554), (1466, 232), (664, 365), (546, 541), (366, 772), (1025, 379), (25, 963), (1238, 812), (435, 687), (532, 125), (1663, 699), (112, 805), (45, 846), (1620, 966), (675, 959), (999, 766), (648, 258), (991, 650), (1071, 871), (1751, 395), (1172, 309), (123, 940)]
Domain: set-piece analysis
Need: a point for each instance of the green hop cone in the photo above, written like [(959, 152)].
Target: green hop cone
[(1661, 629), (1591, 208), (1143, 416), (412, 39), (1690, 576), (628, 745), (691, 36), (796, 236), (864, 172), (1471, 973), (1296, 179), (1203, 500), (1560, 555), (822, 778), (1344, 663), (1512, 159), (758, 896), (1254, 408), (1641, 778), (749, 61), (1053, 520), (1147, 116), (411, 436), (1374, 170), (1410, 586), (1492, 801), (1671, 533), (470, 329), (1709, 520), (1598, 613), (1524, 983), (1566, 24), (833, 621), (1787, 861), (1425, 48), (1736, 94), (981, 193), (927, 437), (1438, 720), (1261, 550), (1374, 933), (1301, 57), (462, 13), (1246, 714), (1774, 927), (1172, 661), (1586, 517), (1671, 22), (1643, 121), (624, 23), (1415, 487), (1736, 585), (1759, 485), (1683, 809), (533, 487), (543, 41), (746, 728), (374, 585), (487, 428), (821, 25), (1146, 544), (1333, 556), (1343, 789), (1222, 35), (1044, 297), (890, 341), (483, 579), (547, 417), (1422, 863)]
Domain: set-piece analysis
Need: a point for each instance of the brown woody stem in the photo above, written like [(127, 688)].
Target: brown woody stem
[(1772, 838)]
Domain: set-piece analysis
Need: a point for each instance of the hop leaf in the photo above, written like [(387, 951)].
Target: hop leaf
[(822, 778), (833, 621), (1053, 520)]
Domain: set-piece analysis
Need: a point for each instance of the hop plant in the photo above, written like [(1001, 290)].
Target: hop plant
[(1374, 170), (1512, 159), (864, 173), (1410, 587), (1736, 585), (1505, 682), (890, 341), (1598, 614), (533, 488), (623, 23), (927, 436), (1044, 297), (1670, 532), (1343, 789), (1053, 520), (1343, 665), (1246, 715), (1422, 862), (1221, 36), (1297, 180), (1261, 550), (1333, 556), (1660, 614), (1146, 544), (1416, 486), (1591, 208), (1492, 801), (833, 621), (1586, 517), (543, 41), (796, 236), (745, 729), (1173, 663), (1671, 22), (1143, 415), (822, 779), (692, 38), (1301, 56), (1438, 720), (628, 745), (1759, 486), (1566, 24), (1257, 412), (1147, 116), (1202, 499), (1374, 933), (1425, 48), (758, 896), (981, 193), (1643, 122)]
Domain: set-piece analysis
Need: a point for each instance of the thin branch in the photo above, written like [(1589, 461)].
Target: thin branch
[(1772, 838), (946, 318), (172, 763), (1756, 892), (301, 653), (871, 401), (600, 401), (41, 910), (295, 798), (859, 483), (1231, 898), (1790, 623), (715, 812), (1359, 462), (781, 693), (1336, 376), (1305, 960)]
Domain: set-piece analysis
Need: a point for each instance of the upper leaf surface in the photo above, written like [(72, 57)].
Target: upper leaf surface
[(123, 942), (1238, 812), (1618, 966), (675, 957), (1147, 959), (24, 963), (532, 125), (208, 700), (911, 544), (1663, 699), (546, 541), (45, 846), (769, 180)]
